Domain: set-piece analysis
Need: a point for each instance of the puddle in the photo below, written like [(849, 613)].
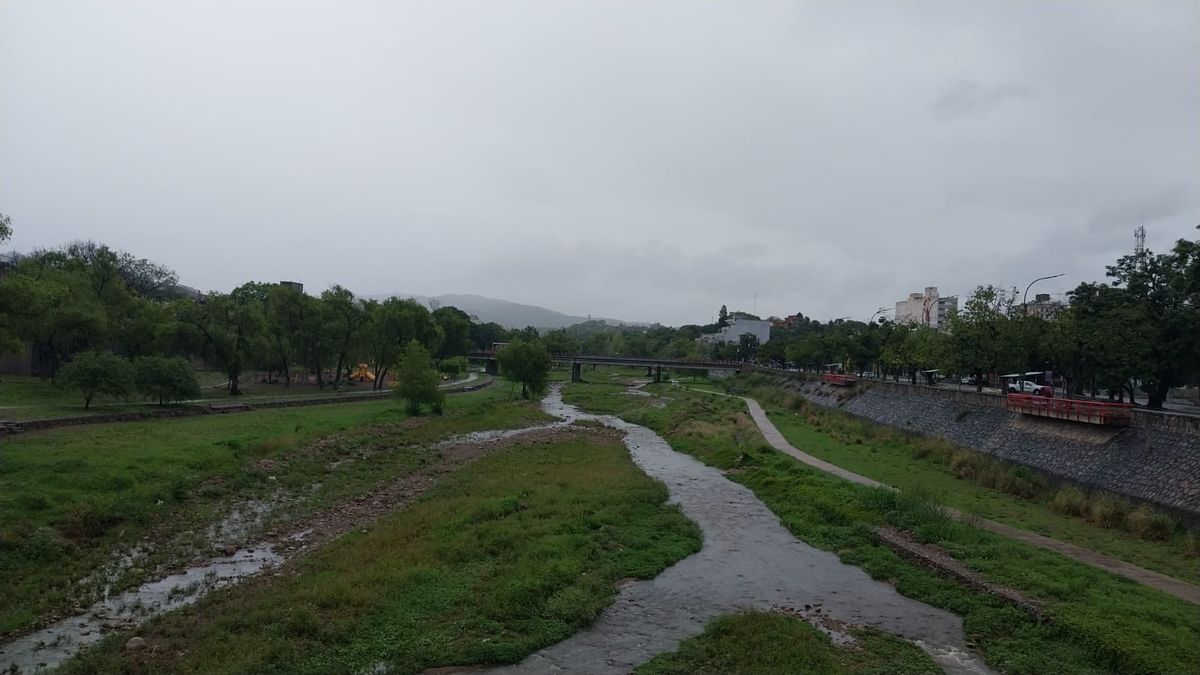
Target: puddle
[(50, 647), (748, 561)]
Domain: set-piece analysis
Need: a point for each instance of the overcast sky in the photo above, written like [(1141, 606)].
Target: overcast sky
[(639, 160)]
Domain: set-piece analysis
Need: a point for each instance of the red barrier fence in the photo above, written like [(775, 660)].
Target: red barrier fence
[(1076, 410), (838, 380)]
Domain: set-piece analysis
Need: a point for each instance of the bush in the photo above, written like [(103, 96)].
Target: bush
[(1191, 544), (166, 380), (966, 464), (1022, 482), (1070, 501), (453, 366), (1108, 511), (97, 373), (417, 381), (1150, 523)]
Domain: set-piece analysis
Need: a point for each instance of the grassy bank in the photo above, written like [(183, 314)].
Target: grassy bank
[(514, 552), (71, 499), (758, 642), (953, 477), (1100, 622)]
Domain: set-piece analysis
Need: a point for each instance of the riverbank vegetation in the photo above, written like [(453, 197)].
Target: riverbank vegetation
[(1096, 621), (761, 642), (510, 554), (979, 484), (73, 500)]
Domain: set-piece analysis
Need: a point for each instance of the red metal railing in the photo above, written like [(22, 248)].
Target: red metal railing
[(1077, 410), (838, 380)]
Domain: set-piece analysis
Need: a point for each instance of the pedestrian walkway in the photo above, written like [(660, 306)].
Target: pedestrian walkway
[(1169, 585)]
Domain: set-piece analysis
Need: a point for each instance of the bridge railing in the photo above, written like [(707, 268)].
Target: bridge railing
[(1077, 410)]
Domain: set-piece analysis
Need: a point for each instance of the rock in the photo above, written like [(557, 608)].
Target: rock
[(229, 550), (135, 643)]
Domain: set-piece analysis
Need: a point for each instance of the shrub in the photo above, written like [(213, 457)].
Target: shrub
[(417, 380), (453, 366), (1070, 501), (1022, 482), (165, 379), (965, 464), (1150, 523), (1108, 511), (97, 373), (1191, 544)]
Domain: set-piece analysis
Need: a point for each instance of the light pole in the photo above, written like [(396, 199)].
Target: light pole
[(1025, 298), (879, 311)]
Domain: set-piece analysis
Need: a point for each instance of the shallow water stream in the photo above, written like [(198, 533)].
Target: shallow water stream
[(748, 561)]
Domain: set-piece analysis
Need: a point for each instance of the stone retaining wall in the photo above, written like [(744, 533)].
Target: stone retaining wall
[(1157, 460)]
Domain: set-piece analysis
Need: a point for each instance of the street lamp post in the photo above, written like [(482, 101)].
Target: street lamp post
[(879, 311), (1025, 298)]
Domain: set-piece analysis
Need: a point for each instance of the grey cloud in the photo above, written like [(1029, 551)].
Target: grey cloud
[(648, 160), (966, 98)]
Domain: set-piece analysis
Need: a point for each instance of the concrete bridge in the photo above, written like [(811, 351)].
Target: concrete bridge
[(653, 366)]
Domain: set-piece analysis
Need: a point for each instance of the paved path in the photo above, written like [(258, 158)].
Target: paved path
[(749, 560), (1155, 580)]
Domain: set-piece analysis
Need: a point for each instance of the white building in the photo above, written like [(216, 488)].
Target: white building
[(1043, 307), (737, 328), (927, 309)]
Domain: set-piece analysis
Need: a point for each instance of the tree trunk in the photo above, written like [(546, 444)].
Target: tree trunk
[(978, 380), (234, 372), (1162, 387)]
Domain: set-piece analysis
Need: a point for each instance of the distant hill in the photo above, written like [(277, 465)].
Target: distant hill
[(503, 312)]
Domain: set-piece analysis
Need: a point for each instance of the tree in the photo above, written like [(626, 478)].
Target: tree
[(455, 325), (5, 228), (390, 326), (347, 317), (454, 366), (94, 373), (527, 363), (417, 380), (165, 379), (561, 342), (228, 330), (1164, 286), (723, 317), (977, 332), (747, 346)]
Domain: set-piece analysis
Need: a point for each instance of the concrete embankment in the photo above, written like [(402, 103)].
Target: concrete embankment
[(1156, 460)]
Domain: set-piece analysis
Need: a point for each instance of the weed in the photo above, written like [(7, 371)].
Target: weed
[(1191, 544), (1070, 501), (1022, 482), (1107, 510), (1150, 523)]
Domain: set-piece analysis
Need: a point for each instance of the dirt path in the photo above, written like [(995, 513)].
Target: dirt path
[(748, 561), (1155, 580)]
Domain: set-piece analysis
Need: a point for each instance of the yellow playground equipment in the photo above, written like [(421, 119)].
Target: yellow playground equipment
[(363, 374)]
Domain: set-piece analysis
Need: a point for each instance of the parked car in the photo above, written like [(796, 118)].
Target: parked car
[(1027, 387)]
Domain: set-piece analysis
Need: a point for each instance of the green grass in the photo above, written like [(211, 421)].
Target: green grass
[(758, 642), (512, 553), (72, 498), (1100, 622), (910, 463)]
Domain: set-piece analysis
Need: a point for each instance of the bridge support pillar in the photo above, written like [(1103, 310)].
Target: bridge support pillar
[(576, 372), (658, 373), (649, 371), (492, 367)]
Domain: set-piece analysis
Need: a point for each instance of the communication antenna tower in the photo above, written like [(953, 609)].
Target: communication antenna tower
[(1139, 238)]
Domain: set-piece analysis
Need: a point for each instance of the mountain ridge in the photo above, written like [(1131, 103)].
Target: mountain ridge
[(504, 312)]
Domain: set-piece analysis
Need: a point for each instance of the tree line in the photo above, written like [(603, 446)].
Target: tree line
[(116, 317)]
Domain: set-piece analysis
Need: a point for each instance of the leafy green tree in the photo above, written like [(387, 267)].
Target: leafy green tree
[(390, 326), (94, 372), (977, 333), (417, 380), (165, 379), (722, 317), (1165, 287), (347, 318), (561, 342), (484, 335), (455, 325), (527, 363), (5, 228), (747, 347), (227, 330)]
